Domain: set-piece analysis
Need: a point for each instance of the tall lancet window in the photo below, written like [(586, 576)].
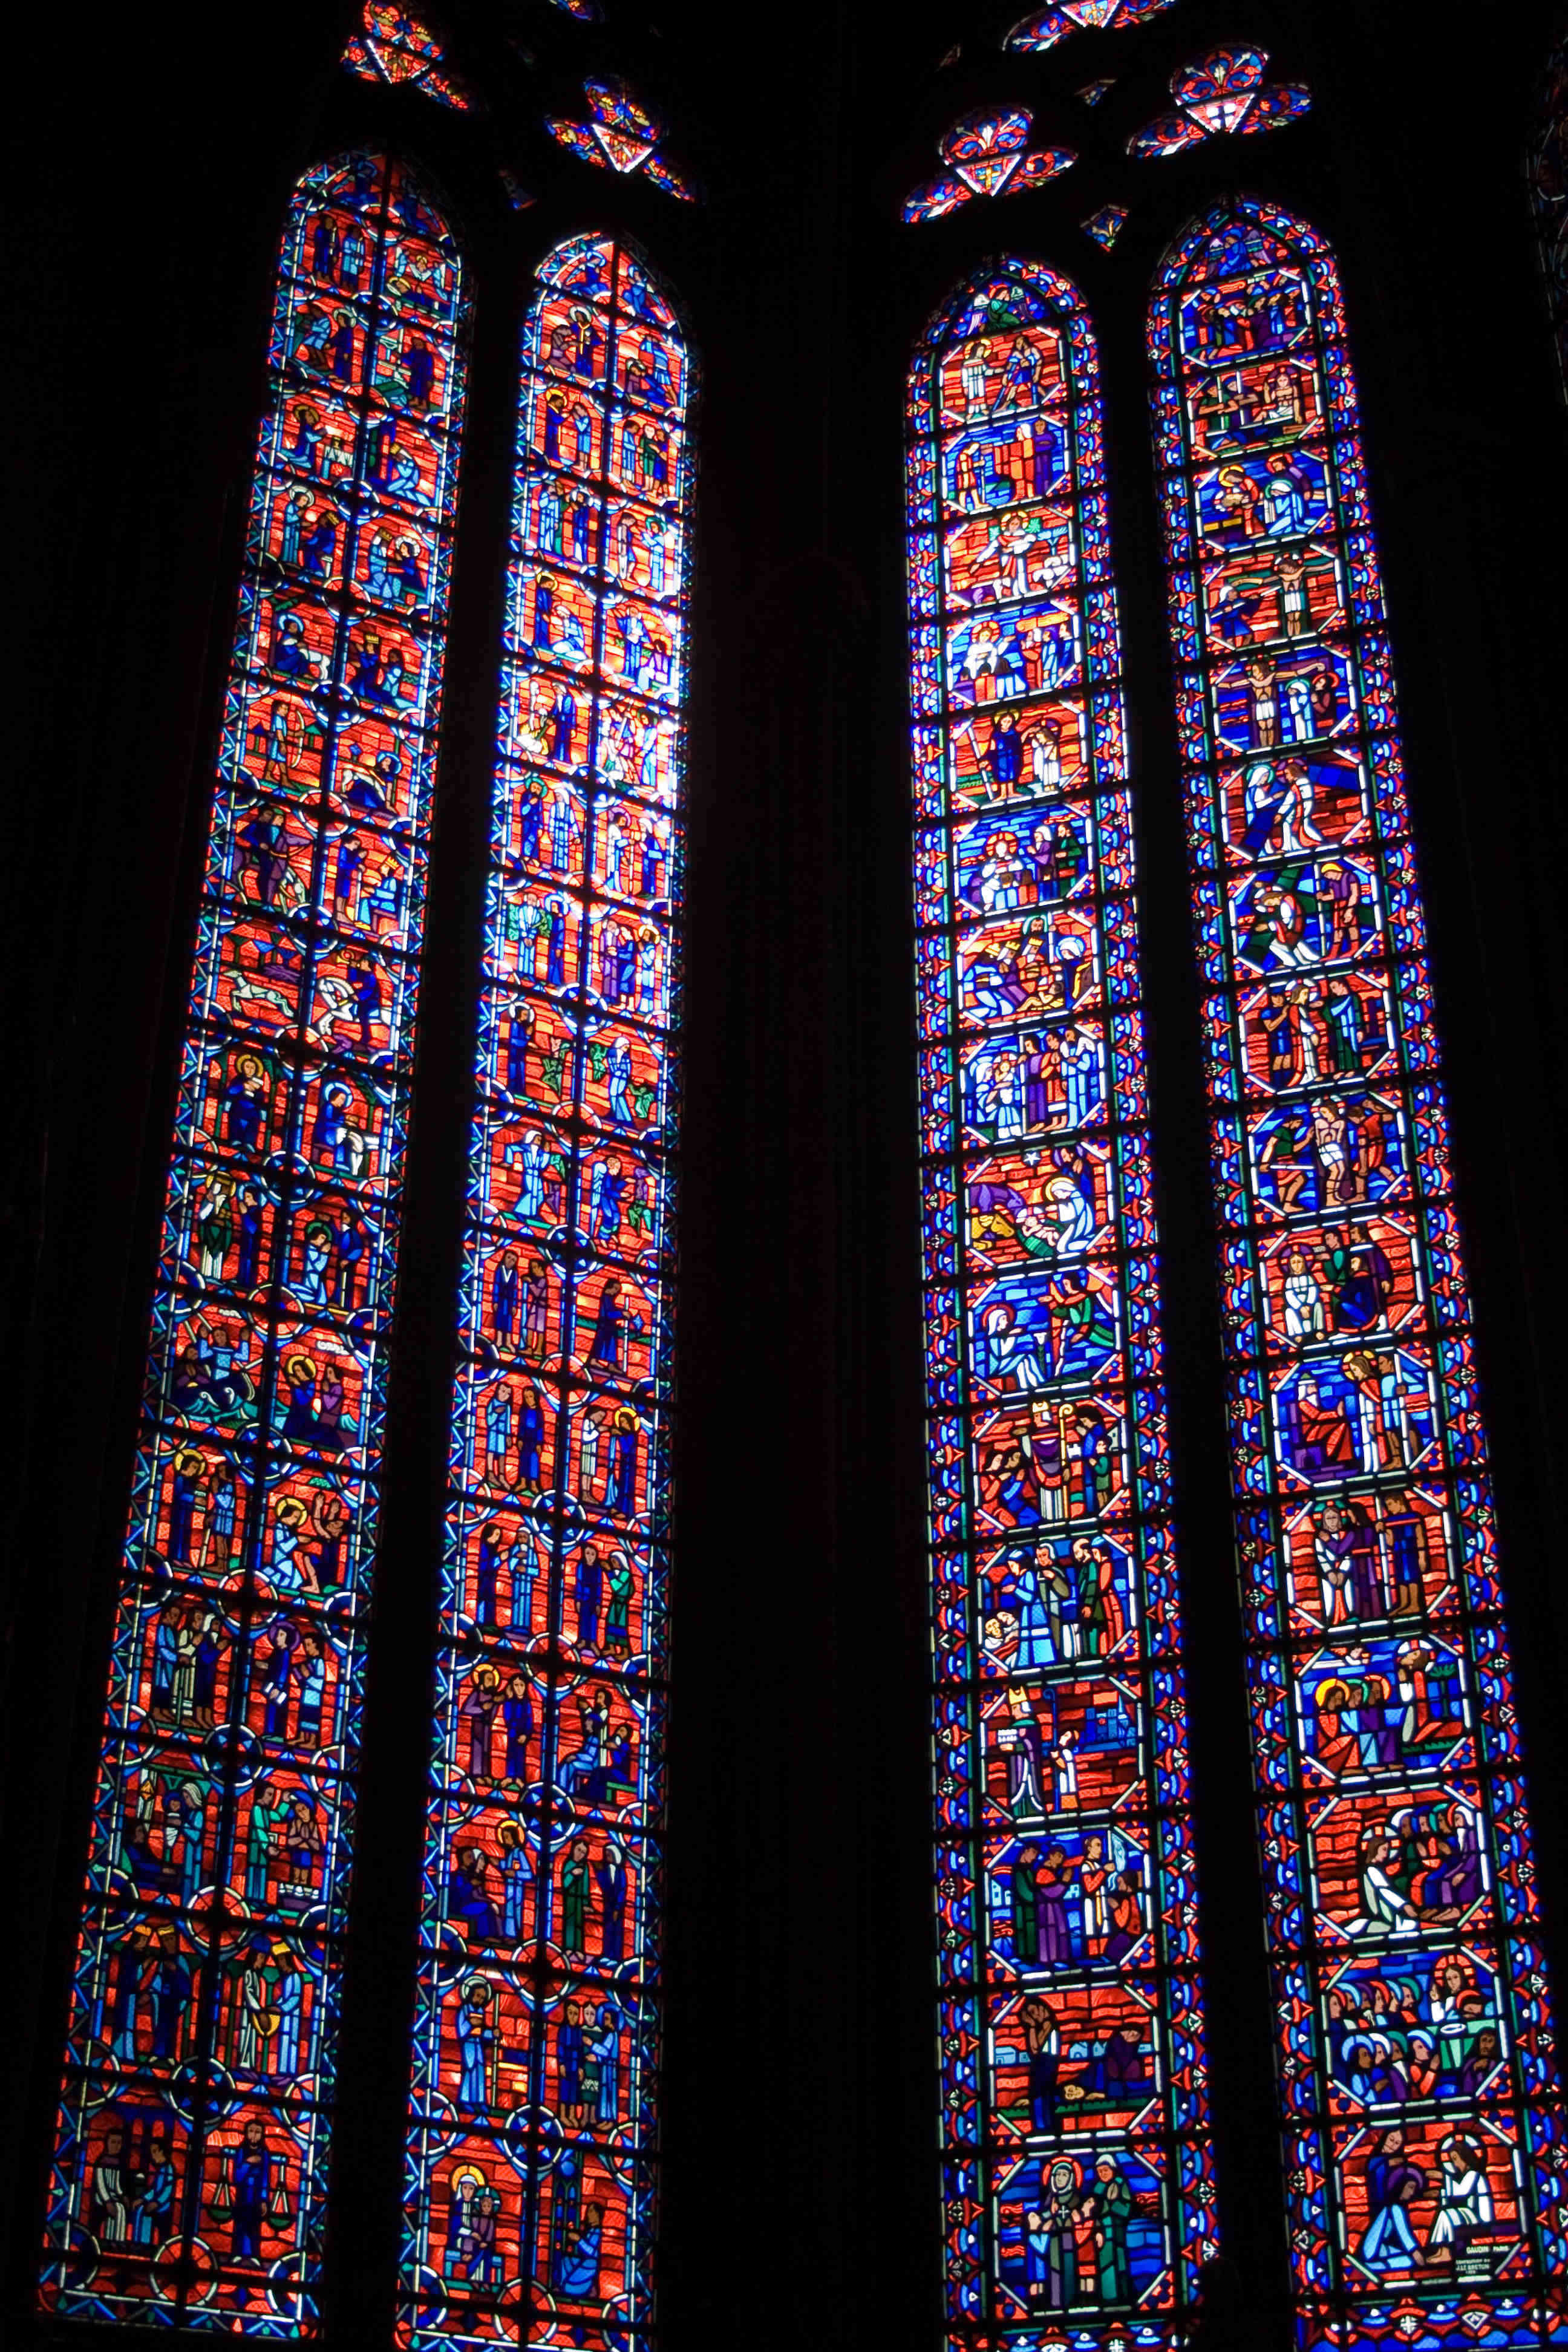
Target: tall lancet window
[(1423, 2140), (531, 2174), (190, 2164), (1075, 2148), (1548, 169)]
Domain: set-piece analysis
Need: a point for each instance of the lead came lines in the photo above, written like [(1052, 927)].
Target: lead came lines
[(190, 2169), (530, 2178), (1419, 2095), (1078, 2086)]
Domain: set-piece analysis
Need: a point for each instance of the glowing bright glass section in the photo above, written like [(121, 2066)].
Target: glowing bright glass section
[(1218, 94), (1078, 2197), (531, 2174), (1423, 2135), (395, 47), (189, 2170), (1046, 26), (621, 134), (985, 155)]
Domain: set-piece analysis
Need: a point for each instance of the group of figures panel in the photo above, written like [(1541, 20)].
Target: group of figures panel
[(548, 2201), (1081, 1992)]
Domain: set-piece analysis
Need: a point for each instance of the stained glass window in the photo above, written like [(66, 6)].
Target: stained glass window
[(1046, 26), (1225, 92), (1549, 196), (530, 2178), (1075, 2148), (987, 156), (189, 2169), (1106, 226), (392, 47), (621, 134), (1424, 2137)]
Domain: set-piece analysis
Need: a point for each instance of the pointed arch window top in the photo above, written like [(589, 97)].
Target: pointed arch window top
[(987, 155), (392, 47), (1224, 92), (582, 267), (1046, 26), (621, 134)]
